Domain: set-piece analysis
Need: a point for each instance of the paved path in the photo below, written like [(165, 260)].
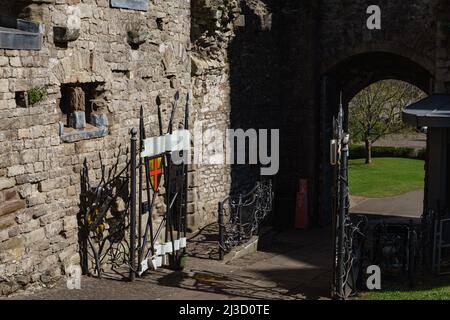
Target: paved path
[(415, 140), (297, 266), (407, 205)]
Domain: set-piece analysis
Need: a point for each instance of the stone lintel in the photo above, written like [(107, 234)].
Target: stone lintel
[(78, 135), (139, 5)]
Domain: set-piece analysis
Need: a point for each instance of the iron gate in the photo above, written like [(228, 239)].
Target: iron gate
[(346, 232), (240, 217), (116, 216)]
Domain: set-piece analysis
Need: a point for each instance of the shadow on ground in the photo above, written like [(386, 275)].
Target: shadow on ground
[(296, 265)]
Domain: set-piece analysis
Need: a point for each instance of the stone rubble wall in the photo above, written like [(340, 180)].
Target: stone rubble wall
[(39, 174), (234, 86), (213, 28)]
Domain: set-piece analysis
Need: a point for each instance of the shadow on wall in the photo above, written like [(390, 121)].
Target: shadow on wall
[(254, 81), (16, 9)]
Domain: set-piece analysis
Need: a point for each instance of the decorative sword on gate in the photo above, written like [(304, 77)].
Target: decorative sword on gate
[(157, 153)]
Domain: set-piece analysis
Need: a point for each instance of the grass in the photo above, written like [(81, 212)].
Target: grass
[(436, 288), (385, 177), (389, 177)]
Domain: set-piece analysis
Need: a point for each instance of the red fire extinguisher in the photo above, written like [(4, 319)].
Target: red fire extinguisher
[(301, 209)]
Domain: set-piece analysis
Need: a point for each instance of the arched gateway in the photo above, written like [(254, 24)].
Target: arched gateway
[(341, 82), (337, 53)]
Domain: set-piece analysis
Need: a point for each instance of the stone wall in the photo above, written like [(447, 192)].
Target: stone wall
[(134, 56), (235, 85), (213, 27)]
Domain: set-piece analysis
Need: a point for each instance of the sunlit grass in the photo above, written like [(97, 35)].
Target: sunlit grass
[(385, 177), (436, 288)]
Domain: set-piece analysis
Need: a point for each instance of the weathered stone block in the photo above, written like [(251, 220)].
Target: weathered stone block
[(4, 85), (6, 183), (31, 177), (10, 194), (36, 199), (15, 62), (13, 231), (70, 223), (53, 229), (12, 249), (77, 120), (84, 135), (11, 206), (76, 99), (35, 236), (6, 221), (3, 61), (99, 120), (29, 156), (15, 171), (4, 235), (24, 216)]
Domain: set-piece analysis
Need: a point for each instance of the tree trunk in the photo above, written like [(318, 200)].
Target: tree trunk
[(368, 152)]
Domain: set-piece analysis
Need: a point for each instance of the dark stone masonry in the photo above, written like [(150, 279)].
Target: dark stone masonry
[(75, 94)]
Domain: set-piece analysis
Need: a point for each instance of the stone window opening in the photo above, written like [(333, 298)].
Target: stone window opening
[(160, 24), (21, 98), (83, 111), (18, 27)]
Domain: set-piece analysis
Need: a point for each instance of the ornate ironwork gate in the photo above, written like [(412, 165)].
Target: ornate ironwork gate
[(116, 223), (345, 231), (241, 216), (104, 218)]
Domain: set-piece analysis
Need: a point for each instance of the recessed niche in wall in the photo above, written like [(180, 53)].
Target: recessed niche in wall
[(83, 111), (117, 73), (160, 24), (21, 99)]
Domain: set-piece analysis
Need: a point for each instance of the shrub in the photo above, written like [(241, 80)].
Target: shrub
[(358, 152), (36, 95)]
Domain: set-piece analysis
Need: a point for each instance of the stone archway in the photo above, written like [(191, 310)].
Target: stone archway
[(355, 72), (348, 77)]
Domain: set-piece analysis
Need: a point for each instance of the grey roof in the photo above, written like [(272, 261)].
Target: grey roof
[(433, 111)]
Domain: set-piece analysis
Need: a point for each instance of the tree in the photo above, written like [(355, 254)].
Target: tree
[(377, 111)]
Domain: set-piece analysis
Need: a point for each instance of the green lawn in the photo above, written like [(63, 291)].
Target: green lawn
[(385, 177), (431, 289)]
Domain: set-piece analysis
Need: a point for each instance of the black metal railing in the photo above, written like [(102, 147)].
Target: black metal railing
[(241, 216)]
